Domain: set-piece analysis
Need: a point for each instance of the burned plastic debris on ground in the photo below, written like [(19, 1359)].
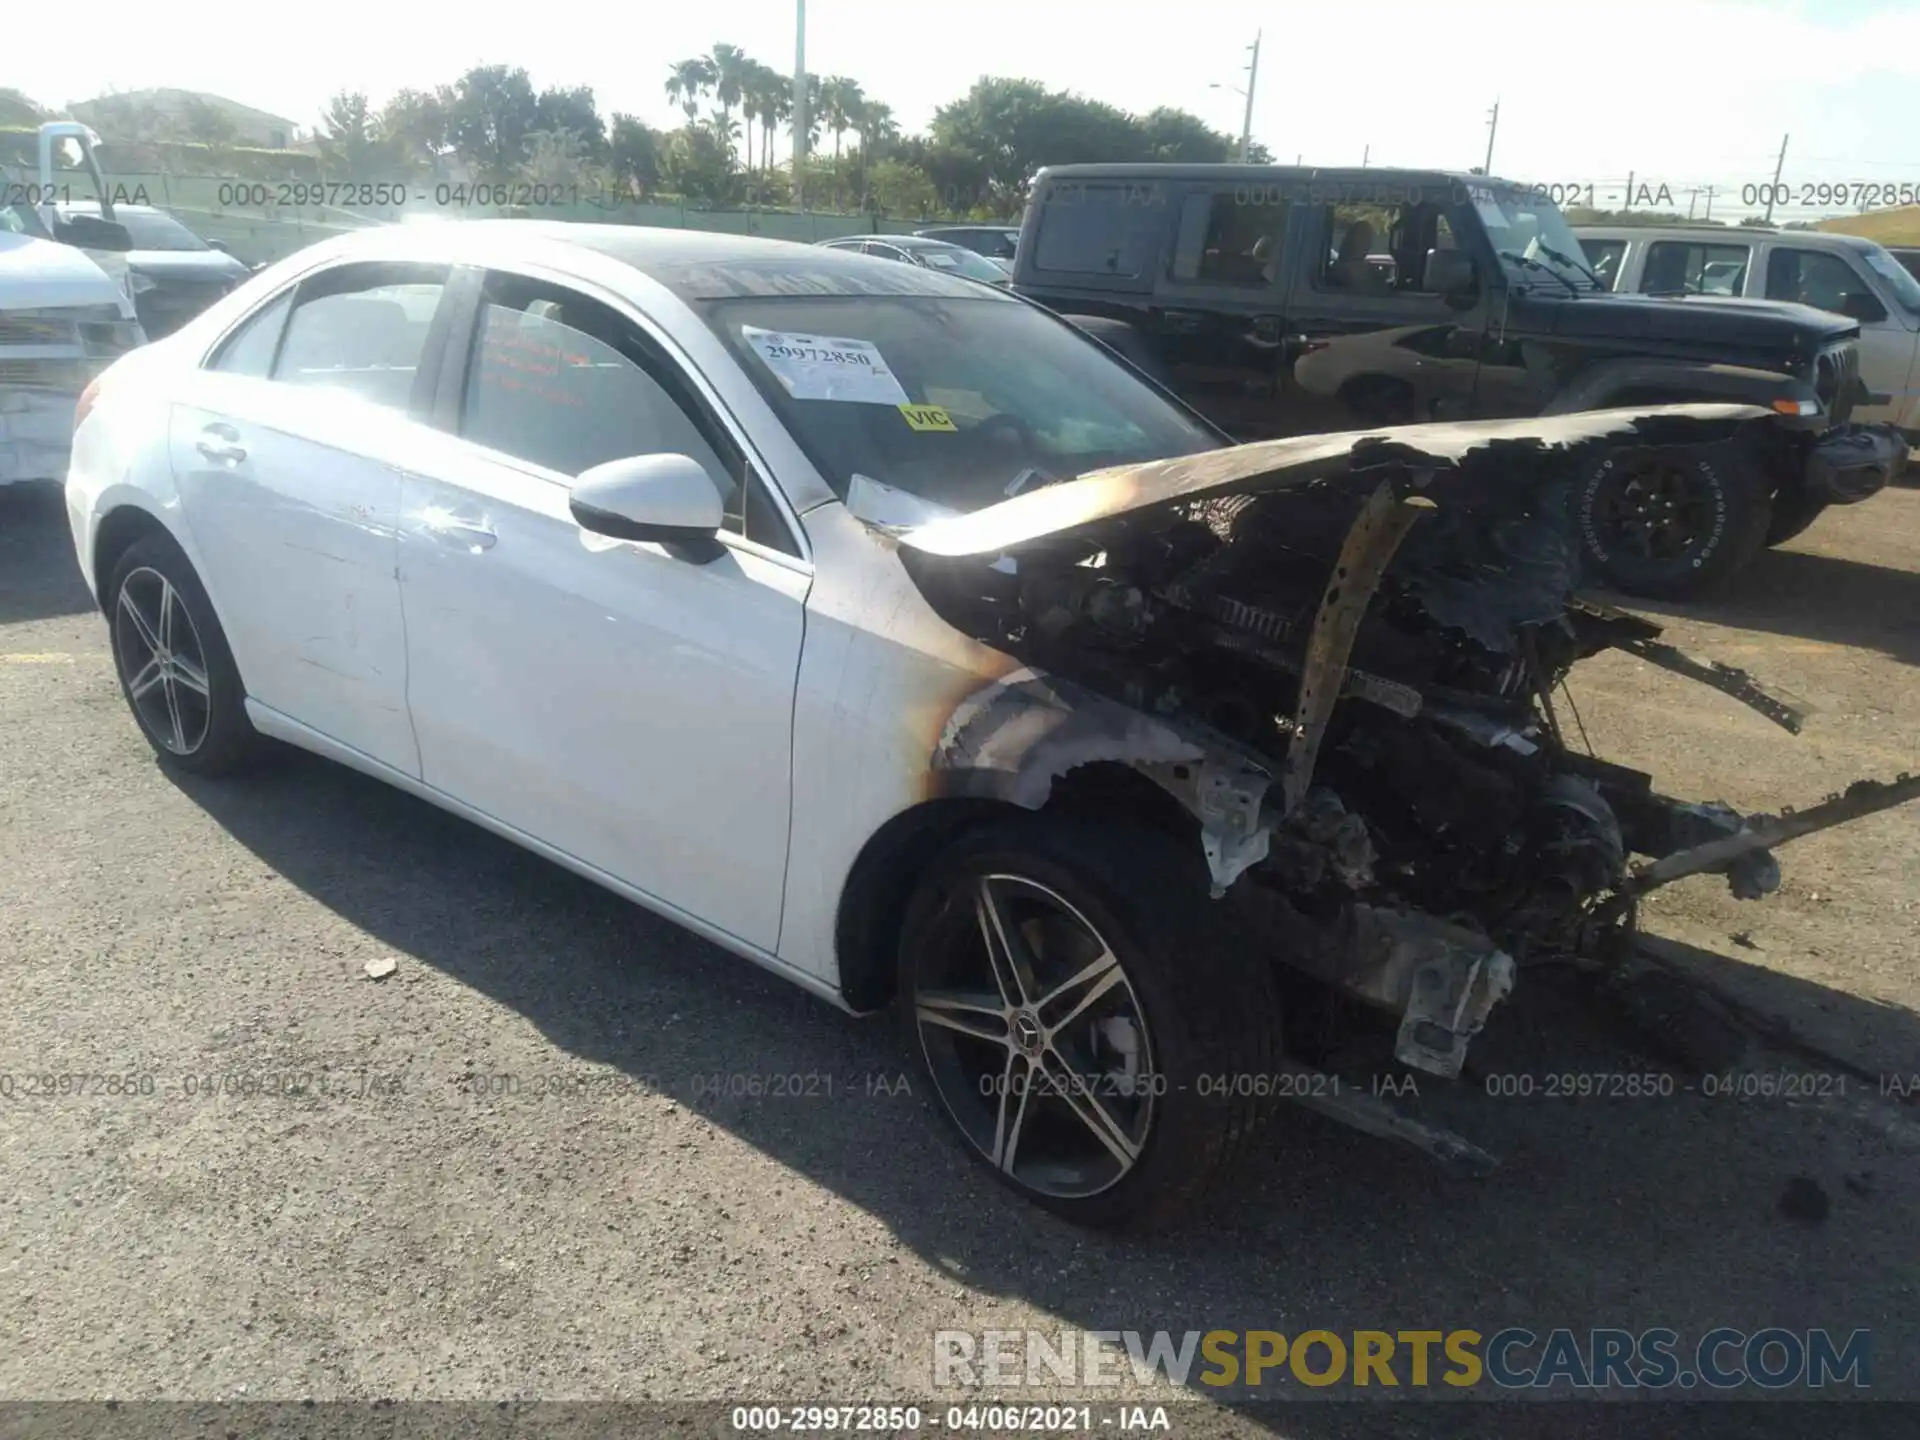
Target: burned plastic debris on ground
[(1346, 657)]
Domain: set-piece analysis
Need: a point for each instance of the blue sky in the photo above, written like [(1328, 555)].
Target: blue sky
[(1686, 93)]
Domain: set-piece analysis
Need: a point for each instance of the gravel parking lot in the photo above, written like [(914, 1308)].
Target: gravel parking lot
[(567, 1151)]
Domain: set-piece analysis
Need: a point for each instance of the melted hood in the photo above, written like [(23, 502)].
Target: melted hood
[(1286, 464)]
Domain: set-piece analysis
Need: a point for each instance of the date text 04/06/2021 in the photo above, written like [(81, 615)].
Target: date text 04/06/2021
[(990, 1419)]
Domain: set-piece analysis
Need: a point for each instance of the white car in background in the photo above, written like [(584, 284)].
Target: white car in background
[(1845, 274), (769, 587), (63, 319)]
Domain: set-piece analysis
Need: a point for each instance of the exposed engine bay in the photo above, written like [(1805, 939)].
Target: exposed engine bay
[(1367, 652)]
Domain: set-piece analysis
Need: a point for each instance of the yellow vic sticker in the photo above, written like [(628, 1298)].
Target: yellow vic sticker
[(928, 417)]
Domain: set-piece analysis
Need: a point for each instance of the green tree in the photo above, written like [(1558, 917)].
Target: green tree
[(350, 139), (491, 112), (17, 109), (840, 102), (414, 125), (897, 188), (1175, 137), (634, 153), (1016, 126), (774, 92), (729, 64), (688, 81), (697, 164), (573, 111)]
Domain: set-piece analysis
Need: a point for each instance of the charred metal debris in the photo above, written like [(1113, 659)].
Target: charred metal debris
[(1340, 655)]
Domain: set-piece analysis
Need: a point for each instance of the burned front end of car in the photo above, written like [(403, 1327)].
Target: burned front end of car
[(1346, 656)]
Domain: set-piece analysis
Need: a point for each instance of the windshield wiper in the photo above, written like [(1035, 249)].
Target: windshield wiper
[(1571, 263), (1542, 267)]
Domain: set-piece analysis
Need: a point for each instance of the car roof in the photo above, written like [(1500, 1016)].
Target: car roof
[(94, 205), (905, 242), (1731, 232), (693, 264), (1375, 174)]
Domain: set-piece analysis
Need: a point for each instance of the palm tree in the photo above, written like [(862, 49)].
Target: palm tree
[(688, 80), (728, 66), (840, 102), (775, 93), (875, 123)]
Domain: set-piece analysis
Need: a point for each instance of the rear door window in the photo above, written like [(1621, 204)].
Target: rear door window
[(250, 349), (1224, 238), (362, 329), (1100, 228), (1688, 267)]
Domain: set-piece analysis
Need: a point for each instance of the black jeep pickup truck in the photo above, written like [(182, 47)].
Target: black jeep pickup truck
[(1283, 301)]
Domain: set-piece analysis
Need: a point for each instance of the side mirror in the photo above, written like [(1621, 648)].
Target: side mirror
[(219, 245), (668, 499), (90, 232), (1863, 306), (1450, 273)]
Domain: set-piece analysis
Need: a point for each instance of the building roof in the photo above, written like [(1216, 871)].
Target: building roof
[(171, 97)]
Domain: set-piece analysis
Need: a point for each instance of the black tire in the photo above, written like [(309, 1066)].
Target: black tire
[(153, 587), (1793, 511), (1673, 521), (1201, 1011)]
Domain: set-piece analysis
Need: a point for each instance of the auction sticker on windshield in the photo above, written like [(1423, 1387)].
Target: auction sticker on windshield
[(827, 367)]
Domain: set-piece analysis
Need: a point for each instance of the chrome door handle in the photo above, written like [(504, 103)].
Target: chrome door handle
[(221, 442)]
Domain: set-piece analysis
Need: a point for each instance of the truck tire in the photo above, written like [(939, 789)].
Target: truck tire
[(1123, 340), (1793, 512), (1671, 522), (1104, 1076)]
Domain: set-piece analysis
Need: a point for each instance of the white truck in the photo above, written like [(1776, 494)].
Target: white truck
[(66, 305), (1845, 274)]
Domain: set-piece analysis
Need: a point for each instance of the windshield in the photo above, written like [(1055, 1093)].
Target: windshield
[(1899, 279), (1530, 234), (21, 220), (960, 403), (956, 260), (149, 229)]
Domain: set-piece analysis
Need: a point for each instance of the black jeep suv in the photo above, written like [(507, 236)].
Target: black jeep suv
[(1281, 301)]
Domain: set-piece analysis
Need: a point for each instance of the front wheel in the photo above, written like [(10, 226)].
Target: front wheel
[(175, 669), (1089, 1027), (1670, 522)]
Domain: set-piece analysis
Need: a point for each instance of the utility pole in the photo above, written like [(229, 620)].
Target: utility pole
[(1692, 195), (1365, 155), (1778, 166), (1493, 128), (799, 103), (1253, 79), (1709, 214), (1629, 204)]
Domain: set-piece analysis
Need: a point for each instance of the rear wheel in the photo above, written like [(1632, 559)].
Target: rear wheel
[(1087, 1025), (173, 662), (1672, 521)]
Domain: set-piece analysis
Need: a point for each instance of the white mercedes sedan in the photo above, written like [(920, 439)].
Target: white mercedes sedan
[(892, 633), (549, 525)]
